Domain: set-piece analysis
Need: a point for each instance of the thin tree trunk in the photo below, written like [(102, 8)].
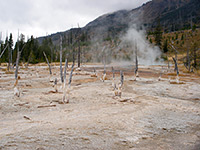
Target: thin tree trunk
[(188, 60), (122, 78), (79, 54), (47, 63), (3, 51), (69, 83), (17, 63), (61, 72), (64, 86), (8, 57), (28, 59), (136, 62), (176, 69)]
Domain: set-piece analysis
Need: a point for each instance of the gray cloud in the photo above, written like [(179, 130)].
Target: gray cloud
[(38, 17)]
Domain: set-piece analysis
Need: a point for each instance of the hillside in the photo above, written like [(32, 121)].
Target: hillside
[(173, 15)]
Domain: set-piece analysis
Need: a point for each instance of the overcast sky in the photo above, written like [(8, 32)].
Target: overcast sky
[(42, 17)]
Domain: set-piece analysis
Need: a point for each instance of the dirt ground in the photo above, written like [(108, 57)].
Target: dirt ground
[(151, 114)]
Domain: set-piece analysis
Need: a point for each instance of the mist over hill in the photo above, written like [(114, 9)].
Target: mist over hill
[(173, 15)]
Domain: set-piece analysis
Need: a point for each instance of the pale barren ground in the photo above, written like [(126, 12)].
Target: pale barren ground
[(151, 114)]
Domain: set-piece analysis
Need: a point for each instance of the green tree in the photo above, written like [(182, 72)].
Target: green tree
[(165, 46), (158, 34)]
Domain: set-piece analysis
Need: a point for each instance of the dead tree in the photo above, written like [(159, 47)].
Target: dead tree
[(55, 85), (61, 72), (17, 63), (8, 68), (69, 83), (29, 58), (113, 81), (79, 53), (3, 51), (176, 51), (16, 90), (104, 64), (136, 64), (118, 88), (64, 86), (122, 78), (48, 63), (176, 69)]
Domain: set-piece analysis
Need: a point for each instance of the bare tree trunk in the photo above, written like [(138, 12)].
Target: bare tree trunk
[(17, 63), (122, 78), (188, 60), (79, 54), (29, 57), (3, 51), (176, 69), (11, 56), (8, 57), (48, 63), (113, 81), (55, 85), (73, 57), (64, 86), (136, 62), (61, 72), (69, 83)]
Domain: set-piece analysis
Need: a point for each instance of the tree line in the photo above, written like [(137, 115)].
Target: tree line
[(32, 51)]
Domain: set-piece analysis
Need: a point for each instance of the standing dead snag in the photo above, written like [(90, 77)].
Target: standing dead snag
[(64, 86), (113, 81), (118, 90), (55, 85), (69, 83), (79, 54), (136, 64), (48, 63), (16, 91), (104, 72), (176, 69), (3, 50), (122, 77), (94, 73), (61, 72)]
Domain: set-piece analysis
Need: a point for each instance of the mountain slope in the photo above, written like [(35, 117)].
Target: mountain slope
[(173, 15)]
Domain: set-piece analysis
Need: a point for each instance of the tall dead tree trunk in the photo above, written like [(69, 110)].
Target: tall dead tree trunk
[(3, 51), (8, 57), (48, 63), (61, 72), (113, 81), (69, 83), (29, 57), (136, 63), (176, 69), (17, 63), (16, 90), (122, 78), (188, 60), (79, 54), (64, 86)]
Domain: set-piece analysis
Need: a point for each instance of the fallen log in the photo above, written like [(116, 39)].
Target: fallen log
[(46, 106)]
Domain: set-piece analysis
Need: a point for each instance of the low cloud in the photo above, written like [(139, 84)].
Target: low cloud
[(39, 17)]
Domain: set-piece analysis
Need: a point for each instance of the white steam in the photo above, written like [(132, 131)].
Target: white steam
[(147, 53)]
